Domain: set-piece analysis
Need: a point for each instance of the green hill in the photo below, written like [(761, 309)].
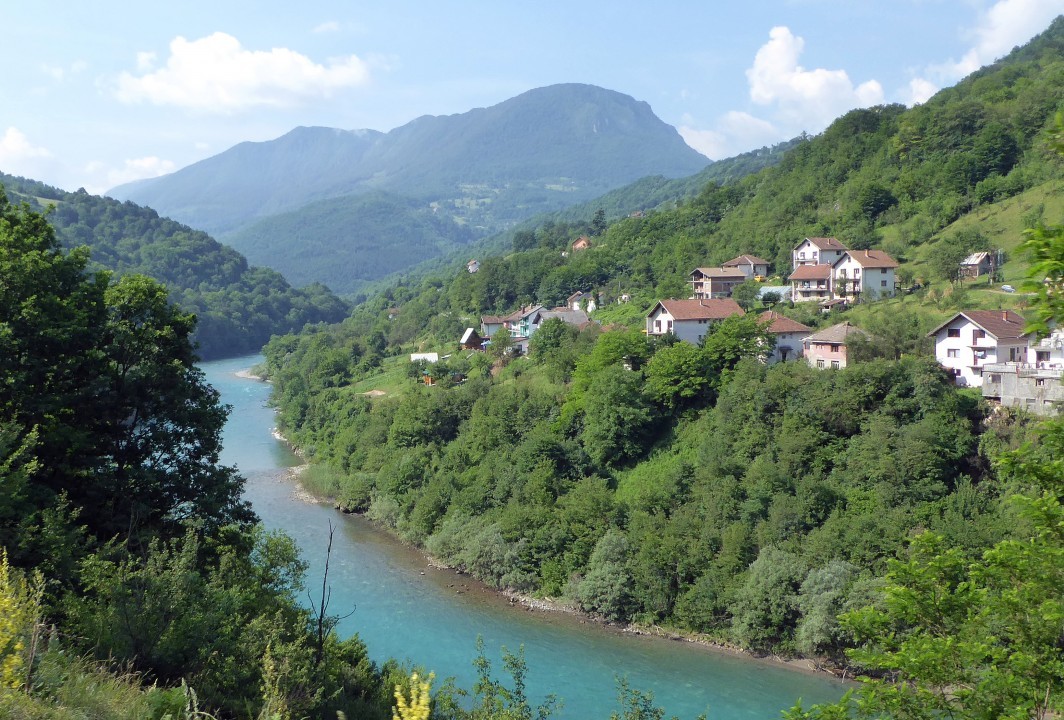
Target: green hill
[(238, 306)]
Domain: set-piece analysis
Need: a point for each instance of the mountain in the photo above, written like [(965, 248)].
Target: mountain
[(482, 170), (238, 306)]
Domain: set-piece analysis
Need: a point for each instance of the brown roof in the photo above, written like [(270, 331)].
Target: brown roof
[(821, 271), (781, 323), (716, 309), (837, 333), (1001, 324), (522, 312), (719, 272), (871, 259), (492, 319), (745, 260), (825, 243)]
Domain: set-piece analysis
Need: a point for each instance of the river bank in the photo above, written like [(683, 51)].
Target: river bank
[(815, 666)]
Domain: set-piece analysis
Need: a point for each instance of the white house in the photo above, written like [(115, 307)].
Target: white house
[(867, 274), (789, 335), (1047, 351), (689, 319), (749, 265), (973, 339), (817, 251), (473, 265)]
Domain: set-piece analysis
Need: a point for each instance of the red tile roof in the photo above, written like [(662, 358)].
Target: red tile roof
[(716, 309), (782, 323), (871, 259), (719, 273), (821, 271), (1001, 324)]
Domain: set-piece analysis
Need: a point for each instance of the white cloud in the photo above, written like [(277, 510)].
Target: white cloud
[(216, 74), (137, 169), (1006, 24), (734, 133), (59, 73), (18, 156), (146, 61), (328, 26), (804, 99), (920, 91)]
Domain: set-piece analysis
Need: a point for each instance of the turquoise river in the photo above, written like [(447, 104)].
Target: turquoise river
[(404, 609)]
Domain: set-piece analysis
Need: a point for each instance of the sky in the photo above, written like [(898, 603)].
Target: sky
[(95, 94)]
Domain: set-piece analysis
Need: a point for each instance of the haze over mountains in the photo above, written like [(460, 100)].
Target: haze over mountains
[(420, 189)]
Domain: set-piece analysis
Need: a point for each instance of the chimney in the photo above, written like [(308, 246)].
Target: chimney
[(1005, 315)]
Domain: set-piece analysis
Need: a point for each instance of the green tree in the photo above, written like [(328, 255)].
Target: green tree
[(618, 418), (746, 294), (678, 375)]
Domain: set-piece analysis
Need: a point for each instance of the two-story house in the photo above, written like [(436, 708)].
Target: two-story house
[(689, 319), (828, 348), (750, 265), (867, 274), (817, 251), (970, 340), (789, 335), (811, 282), (714, 282)]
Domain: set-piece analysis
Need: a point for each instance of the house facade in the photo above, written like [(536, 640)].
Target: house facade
[(817, 251), (709, 283), (811, 282), (864, 274), (491, 324), (750, 266), (581, 243), (473, 265), (1047, 351), (827, 348), (1036, 389), (689, 320), (789, 336), (971, 340)]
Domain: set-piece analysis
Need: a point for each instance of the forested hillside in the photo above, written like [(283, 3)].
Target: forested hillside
[(693, 486), (238, 307)]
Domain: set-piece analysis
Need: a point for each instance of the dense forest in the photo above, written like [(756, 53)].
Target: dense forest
[(238, 307)]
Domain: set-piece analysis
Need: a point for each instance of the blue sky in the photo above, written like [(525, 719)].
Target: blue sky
[(96, 94)]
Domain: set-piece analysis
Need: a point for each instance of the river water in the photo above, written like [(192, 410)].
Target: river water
[(404, 609)]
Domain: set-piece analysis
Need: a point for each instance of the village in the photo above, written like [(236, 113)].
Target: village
[(985, 349)]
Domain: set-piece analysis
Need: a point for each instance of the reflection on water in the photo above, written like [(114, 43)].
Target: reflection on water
[(405, 609)]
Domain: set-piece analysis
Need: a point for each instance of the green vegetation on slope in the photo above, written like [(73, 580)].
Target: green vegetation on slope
[(238, 307)]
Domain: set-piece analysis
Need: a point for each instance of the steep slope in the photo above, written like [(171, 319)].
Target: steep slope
[(347, 241), (238, 306)]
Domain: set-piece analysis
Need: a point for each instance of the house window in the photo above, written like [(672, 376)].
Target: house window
[(951, 353), (956, 372), (994, 377), (1041, 356), (657, 325), (835, 348), (882, 283), (820, 363), (801, 256), (1039, 382), (953, 332), (857, 272), (978, 334), (835, 364), (670, 326)]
